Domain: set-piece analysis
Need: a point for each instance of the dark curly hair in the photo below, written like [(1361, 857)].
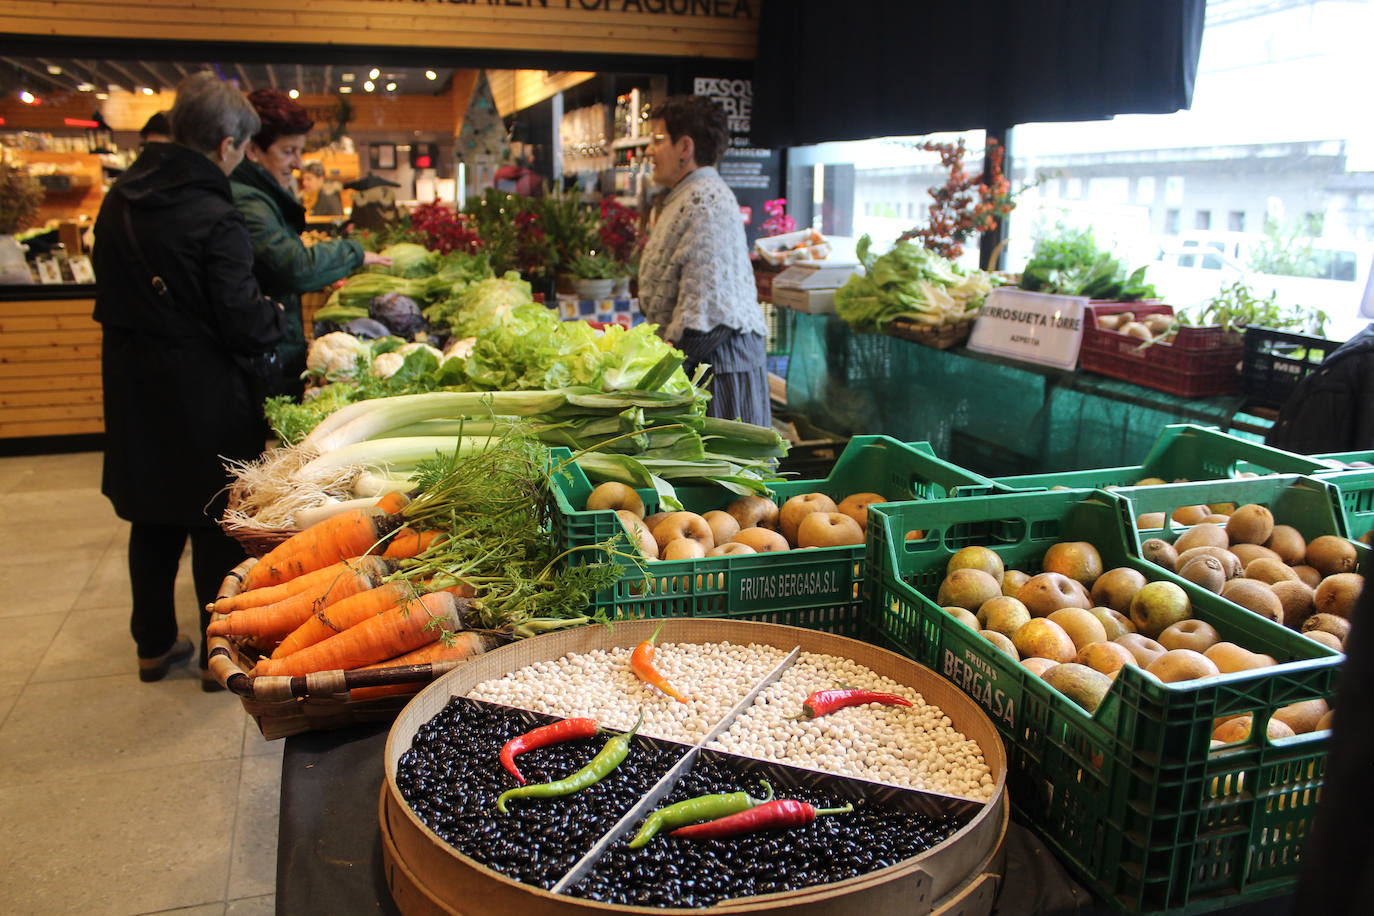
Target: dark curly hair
[(281, 116), (700, 118)]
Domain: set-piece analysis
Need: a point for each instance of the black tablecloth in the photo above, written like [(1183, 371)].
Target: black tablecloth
[(329, 845)]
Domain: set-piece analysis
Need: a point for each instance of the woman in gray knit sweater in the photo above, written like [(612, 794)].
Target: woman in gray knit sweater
[(695, 281)]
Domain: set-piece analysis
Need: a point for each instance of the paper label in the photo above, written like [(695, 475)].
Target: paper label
[(1033, 327)]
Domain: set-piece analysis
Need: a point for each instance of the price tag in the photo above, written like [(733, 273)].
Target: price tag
[(1033, 327)]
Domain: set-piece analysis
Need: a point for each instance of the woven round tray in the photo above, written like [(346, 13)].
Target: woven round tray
[(257, 542), (941, 338)]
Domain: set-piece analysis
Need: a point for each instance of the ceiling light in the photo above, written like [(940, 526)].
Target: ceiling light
[(390, 87), (347, 77), (146, 91), (85, 87), (102, 95), (294, 93), (369, 86), (27, 97), (54, 69), (374, 73), (431, 75), (345, 88)]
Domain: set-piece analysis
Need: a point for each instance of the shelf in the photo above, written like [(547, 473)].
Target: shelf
[(629, 142)]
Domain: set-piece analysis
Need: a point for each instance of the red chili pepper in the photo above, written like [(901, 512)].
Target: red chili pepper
[(553, 733), (827, 701), (782, 813)]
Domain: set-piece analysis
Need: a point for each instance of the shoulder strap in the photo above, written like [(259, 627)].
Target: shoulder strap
[(155, 281)]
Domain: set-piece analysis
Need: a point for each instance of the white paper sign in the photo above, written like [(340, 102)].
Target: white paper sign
[(1033, 327)]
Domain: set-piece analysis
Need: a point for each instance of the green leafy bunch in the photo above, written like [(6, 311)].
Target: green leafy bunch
[(1069, 263), (1237, 307)]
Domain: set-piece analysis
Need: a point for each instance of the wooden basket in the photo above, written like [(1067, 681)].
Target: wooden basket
[(958, 876), (285, 706), (941, 338)]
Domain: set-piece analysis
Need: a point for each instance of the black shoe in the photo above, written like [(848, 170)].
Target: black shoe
[(208, 683), (155, 669)]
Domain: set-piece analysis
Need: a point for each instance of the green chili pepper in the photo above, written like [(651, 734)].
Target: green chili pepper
[(701, 808), (606, 760)]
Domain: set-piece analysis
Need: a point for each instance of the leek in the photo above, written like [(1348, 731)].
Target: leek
[(364, 420), (388, 455)]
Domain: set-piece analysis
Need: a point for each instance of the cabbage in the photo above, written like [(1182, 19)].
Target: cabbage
[(399, 313), (410, 260)]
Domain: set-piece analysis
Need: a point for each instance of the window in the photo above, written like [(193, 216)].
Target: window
[(1261, 164)]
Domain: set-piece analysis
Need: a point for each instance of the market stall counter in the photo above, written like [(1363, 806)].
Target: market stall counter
[(988, 413), (49, 361), (329, 844)]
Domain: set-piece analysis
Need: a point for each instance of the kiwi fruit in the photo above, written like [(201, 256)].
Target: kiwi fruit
[(1270, 571), (1338, 594), (1254, 596), (1160, 553), (1309, 575), (1229, 564), (1222, 508), (1190, 515), (1148, 521), (1202, 535), (1204, 571), (1338, 627), (1288, 543), (1249, 553), (1326, 639), (1297, 600), (1215, 519), (1149, 482), (1250, 524), (1331, 555)]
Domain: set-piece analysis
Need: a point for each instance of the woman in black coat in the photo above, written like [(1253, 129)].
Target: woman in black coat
[(183, 322)]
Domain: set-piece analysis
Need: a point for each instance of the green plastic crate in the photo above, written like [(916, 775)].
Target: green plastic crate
[(1315, 506), (1345, 458), (1131, 796), (1355, 491), (819, 588), (1182, 452)]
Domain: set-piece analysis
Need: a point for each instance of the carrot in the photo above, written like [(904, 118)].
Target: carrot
[(325, 622), (394, 501), (348, 534), (353, 610), (464, 646), (314, 580), (381, 636), (273, 621), (408, 542)]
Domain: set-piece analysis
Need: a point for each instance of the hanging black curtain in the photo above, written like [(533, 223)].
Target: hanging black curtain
[(850, 70)]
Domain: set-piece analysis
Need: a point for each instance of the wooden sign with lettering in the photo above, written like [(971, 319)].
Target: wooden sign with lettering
[(1033, 327)]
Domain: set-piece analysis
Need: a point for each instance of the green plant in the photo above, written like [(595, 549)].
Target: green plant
[(1068, 262), (20, 197), (1237, 307), (595, 265), (1288, 252), (573, 228)]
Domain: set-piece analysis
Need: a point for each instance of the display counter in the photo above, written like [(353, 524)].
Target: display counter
[(49, 361), (990, 414)]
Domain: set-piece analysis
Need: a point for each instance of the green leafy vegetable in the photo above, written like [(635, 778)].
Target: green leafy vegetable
[(912, 282), (1069, 263)]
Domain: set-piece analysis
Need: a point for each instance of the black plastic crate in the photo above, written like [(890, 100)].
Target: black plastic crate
[(1275, 361)]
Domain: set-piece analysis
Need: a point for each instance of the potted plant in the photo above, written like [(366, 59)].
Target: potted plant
[(619, 233), (20, 197), (594, 275)]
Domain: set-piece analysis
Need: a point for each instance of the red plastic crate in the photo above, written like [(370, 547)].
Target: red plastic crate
[(1198, 362)]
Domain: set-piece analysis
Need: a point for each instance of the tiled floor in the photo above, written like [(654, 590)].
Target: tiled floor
[(117, 797)]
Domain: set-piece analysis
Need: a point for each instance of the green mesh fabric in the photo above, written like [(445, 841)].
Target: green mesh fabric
[(984, 413)]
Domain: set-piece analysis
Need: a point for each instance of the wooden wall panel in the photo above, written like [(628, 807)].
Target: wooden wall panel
[(671, 28), (49, 369), (515, 90)]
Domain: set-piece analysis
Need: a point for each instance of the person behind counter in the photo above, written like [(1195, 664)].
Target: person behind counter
[(317, 198), (285, 267), (695, 281), (156, 129), (182, 319)]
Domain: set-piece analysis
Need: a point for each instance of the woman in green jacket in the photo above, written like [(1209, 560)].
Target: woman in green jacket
[(284, 266)]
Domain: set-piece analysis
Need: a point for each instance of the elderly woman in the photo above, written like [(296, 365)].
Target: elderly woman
[(284, 265), (184, 323), (695, 281)]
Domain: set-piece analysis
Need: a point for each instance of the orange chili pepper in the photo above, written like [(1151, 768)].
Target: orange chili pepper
[(642, 664)]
